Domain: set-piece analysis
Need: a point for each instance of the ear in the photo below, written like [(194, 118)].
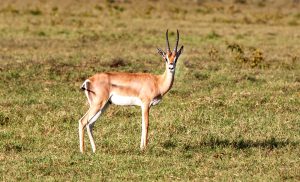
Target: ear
[(161, 52), (180, 51)]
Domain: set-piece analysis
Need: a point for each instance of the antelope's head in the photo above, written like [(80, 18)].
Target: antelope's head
[(169, 56)]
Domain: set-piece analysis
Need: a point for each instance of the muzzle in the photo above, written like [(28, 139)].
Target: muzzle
[(171, 67)]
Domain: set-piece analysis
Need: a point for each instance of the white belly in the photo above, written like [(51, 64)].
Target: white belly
[(125, 100)]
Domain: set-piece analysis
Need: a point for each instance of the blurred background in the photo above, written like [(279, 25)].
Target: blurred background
[(232, 114)]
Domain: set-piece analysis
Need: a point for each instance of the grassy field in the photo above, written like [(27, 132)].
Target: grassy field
[(232, 114)]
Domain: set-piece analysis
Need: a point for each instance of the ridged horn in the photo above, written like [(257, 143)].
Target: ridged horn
[(167, 40), (177, 40)]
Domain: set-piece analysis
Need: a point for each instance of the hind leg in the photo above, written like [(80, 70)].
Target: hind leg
[(81, 124), (94, 114), (85, 119), (98, 98)]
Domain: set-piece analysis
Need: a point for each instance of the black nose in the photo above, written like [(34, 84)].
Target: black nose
[(171, 66)]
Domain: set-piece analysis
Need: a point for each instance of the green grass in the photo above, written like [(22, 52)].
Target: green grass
[(232, 114)]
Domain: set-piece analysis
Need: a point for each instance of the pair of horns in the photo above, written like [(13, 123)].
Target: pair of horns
[(168, 44)]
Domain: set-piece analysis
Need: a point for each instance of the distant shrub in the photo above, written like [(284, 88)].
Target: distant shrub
[(110, 1), (41, 33), (201, 76), (240, 1), (98, 7), (256, 58), (297, 15), (149, 10), (119, 8), (293, 23), (35, 12), (117, 1), (213, 54), (235, 48), (204, 10), (261, 3), (54, 9), (253, 59), (117, 62)]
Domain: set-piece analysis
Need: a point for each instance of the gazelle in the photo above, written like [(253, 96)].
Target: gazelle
[(140, 89)]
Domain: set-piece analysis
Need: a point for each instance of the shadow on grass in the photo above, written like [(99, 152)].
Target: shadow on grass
[(241, 144)]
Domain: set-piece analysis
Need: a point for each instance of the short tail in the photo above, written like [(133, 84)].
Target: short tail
[(86, 86)]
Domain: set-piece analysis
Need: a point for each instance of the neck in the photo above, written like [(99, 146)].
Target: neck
[(166, 81)]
